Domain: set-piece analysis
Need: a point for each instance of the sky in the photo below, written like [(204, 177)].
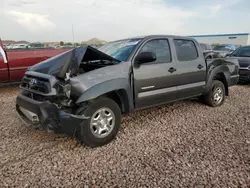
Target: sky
[(52, 20)]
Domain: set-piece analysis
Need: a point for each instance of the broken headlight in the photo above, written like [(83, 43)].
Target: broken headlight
[(67, 90)]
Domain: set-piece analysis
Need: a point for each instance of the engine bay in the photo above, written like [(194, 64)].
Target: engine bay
[(88, 66)]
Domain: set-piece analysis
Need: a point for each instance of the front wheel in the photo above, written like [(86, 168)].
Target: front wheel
[(216, 96), (103, 124)]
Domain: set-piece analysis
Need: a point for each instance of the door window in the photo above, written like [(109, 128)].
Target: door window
[(161, 48), (3, 55), (185, 50)]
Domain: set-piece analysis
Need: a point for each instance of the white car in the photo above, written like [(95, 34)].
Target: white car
[(18, 46)]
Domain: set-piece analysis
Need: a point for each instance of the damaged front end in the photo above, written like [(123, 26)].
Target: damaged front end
[(47, 100), (47, 116)]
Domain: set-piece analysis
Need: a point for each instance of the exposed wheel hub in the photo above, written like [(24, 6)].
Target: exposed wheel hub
[(218, 95), (102, 122)]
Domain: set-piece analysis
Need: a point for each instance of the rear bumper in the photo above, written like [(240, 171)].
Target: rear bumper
[(244, 75), (49, 116)]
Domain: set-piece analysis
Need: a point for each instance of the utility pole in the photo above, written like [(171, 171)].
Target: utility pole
[(73, 35)]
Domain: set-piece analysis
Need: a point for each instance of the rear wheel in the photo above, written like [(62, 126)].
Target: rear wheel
[(103, 123), (216, 96)]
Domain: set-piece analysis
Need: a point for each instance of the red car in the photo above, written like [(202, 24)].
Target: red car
[(14, 63)]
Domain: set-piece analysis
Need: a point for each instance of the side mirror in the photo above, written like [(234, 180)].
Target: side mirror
[(145, 57)]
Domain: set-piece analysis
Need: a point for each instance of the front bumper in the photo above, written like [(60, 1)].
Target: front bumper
[(244, 75), (49, 116)]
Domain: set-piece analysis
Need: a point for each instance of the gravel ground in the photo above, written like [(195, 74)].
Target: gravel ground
[(186, 144)]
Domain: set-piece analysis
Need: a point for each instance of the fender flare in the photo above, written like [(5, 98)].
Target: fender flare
[(107, 87), (223, 70)]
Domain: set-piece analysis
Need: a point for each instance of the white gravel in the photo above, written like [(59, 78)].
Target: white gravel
[(186, 144)]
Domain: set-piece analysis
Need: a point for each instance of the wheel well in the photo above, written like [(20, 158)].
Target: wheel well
[(221, 77), (121, 98)]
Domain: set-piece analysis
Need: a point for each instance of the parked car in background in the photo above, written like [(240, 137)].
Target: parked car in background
[(7, 46), (35, 45), (243, 56), (84, 91), (18, 46), (237, 46), (207, 50), (18, 60), (223, 50), (67, 47)]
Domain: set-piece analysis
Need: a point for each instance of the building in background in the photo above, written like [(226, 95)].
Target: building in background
[(236, 39)]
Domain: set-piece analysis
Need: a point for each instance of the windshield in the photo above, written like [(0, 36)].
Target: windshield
[(221, 48), (120, 50), (242, 52)]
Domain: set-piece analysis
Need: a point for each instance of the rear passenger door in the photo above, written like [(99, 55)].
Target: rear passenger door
[(191, 68), (155, 82)]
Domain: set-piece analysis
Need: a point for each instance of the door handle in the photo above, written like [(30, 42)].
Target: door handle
[(171, 70), (200, 66)]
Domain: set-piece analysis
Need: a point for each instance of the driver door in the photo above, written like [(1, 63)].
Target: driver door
[(155, 82)]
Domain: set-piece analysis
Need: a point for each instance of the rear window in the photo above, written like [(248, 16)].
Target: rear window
[(203, 46), (208, 47), (185, 50)]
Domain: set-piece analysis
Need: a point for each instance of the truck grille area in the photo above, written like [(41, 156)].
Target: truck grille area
[(34, 96), (37, 84)]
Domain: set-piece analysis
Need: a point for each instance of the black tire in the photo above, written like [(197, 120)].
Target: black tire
[(209, 98), (86, 135)]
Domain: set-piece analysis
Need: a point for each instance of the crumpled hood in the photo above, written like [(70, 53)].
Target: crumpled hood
[(87, 80), (97, 76), (60, 64)]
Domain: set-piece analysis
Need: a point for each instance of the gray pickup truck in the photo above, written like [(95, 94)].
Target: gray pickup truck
[(84, 91)]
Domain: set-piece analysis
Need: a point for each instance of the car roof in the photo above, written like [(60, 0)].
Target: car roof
[(225, 45), (153, 36)]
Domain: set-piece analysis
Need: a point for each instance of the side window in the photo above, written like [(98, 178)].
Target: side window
[(3, 55), (185, 50), (161, 48)]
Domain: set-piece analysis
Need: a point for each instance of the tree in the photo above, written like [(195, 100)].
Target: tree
[(84, 44), (77, 44), (61, 43), (99, 45), (68, 44)]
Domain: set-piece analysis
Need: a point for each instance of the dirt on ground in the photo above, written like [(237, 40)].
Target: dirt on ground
[(186, 144)]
